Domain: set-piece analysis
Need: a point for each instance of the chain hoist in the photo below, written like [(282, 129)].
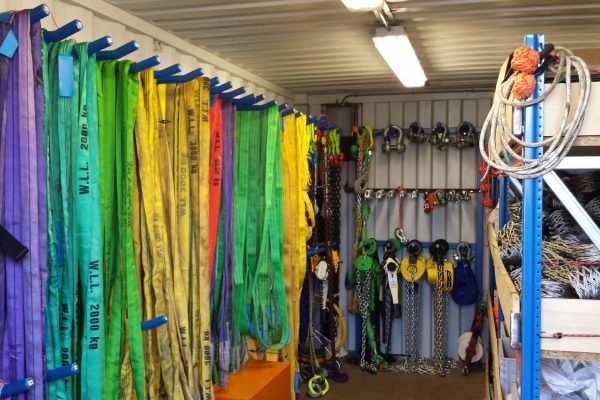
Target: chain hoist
[(362, 149), (366, 281), (391, 291), (440, 273), (326, 270), (412, 269)]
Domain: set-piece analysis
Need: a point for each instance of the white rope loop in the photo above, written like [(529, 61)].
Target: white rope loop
[(558, 145)]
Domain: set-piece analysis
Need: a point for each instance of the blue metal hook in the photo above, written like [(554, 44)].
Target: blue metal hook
[(99, 44), (172, 70), (145, 64), (182, 78), (287, 112), (221, 88), (62, 372), (233, 93), (155, 322), (119, 52), (64, 31), (259, 107), (14, 388), (38, 13), (249, 100)]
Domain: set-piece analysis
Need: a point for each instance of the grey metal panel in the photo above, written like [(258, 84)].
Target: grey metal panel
[(420, 166)]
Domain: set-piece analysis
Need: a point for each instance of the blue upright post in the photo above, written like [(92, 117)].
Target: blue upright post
[(532, 246), (504, 215)]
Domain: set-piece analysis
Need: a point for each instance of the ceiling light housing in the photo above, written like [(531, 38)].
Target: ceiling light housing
[(363, 5), (396, 50)]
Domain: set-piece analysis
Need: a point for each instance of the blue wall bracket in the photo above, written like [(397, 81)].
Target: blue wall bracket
[(233, 93), (154, 322), (182, 78), (63, 32), (99, 44), (172, 70), (119, 52), (14, 388), (38, 13), (62, 372), (144, 64)]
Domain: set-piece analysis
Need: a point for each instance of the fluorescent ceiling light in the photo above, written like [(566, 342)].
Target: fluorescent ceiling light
[(397, 51), (363, 5)]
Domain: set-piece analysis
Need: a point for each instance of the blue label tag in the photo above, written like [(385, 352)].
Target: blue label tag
[(10, 44), (65, 75)]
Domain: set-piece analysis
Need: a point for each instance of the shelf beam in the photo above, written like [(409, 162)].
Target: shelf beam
[(576, 210)]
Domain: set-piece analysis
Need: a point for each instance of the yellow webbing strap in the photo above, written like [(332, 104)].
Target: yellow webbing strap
[(157, 287), (178, 206), (293, 236), (203, 283)]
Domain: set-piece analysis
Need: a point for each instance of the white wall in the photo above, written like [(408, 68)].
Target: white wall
[(420, 166), (96, 25)]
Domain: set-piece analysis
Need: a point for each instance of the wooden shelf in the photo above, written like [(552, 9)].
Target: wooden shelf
[(574, 316), (494, 343)]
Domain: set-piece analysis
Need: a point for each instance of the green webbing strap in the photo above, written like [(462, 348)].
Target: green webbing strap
[(270, 322), (56, 237), (67, 120), (240, 195), (107, 109), (88, 228), (254, 225), (127, 95), (240, 198)]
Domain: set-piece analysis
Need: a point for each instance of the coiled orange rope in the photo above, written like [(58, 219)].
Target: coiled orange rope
[(525, 60)]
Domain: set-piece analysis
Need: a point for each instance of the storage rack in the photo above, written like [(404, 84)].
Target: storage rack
[(531, 190)]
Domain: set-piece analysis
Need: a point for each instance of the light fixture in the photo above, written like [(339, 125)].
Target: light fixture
[(363, 5), (395, 48)]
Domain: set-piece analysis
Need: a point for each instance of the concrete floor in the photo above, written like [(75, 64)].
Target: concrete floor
[(392, 386)]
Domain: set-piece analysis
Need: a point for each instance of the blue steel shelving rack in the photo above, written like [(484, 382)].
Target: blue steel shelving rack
[(531, 191)]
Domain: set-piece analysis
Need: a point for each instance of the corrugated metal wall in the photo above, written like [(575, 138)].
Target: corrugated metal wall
[(421, 166)]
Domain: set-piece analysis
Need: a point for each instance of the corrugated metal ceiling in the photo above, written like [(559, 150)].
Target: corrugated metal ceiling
[(317, 46)]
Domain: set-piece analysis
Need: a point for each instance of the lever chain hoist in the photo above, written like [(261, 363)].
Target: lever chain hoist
[(440, 274), (367, 273), (362, 150), (391, 292)]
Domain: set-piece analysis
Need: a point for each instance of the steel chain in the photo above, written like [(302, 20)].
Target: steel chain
[(411, 362)]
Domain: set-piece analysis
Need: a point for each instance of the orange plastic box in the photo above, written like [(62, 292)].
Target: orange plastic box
[(258, 380)]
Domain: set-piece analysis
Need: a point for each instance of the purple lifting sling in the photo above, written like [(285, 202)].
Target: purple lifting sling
[(23, 211)]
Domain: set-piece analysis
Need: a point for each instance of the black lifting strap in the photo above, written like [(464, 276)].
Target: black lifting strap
[(11, 246)]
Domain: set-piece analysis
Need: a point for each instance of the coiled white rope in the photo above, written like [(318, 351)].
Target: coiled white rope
[(559, 144)]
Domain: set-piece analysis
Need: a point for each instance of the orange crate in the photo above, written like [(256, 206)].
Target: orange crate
[(258, 380)]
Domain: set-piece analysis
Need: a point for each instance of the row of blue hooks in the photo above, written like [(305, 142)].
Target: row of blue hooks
[(169, 74)]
